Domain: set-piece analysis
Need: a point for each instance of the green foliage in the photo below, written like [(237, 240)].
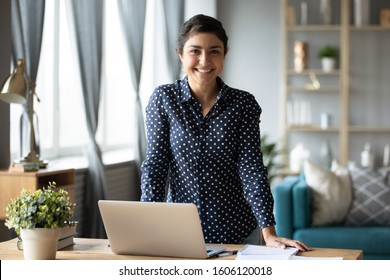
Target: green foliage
[(44, 208), (270, 153), (328, 51)]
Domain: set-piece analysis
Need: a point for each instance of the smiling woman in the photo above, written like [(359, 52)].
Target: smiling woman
[(205, 136)]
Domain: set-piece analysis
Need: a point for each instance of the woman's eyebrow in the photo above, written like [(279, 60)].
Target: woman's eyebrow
[(200, 47)]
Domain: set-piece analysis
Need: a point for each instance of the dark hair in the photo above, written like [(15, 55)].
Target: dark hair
[(204, 24)]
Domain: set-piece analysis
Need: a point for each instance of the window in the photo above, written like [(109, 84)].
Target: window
[(61, 117)]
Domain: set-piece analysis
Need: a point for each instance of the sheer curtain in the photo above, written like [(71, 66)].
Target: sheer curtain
[(88, 21), (132, 16), (174, 17), (27, 26)]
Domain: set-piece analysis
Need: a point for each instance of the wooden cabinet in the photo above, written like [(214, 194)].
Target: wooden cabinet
[(12, 183), (355, 97)]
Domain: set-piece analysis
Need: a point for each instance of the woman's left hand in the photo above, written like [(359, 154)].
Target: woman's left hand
[(282, 242), (272, 240)]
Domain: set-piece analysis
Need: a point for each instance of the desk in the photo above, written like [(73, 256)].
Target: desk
[(98, 249)]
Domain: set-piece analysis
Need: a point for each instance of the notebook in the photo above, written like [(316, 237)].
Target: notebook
[(155, 229)]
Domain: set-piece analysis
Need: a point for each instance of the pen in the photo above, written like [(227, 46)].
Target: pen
[(227, 253)]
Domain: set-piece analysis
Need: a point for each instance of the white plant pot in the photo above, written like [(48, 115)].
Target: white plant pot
[(39, 243), (328, 64)]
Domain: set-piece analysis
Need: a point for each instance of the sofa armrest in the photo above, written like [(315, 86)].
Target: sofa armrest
[(301, 204), (283, 207)]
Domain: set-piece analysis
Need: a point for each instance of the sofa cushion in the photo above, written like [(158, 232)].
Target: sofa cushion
[(331, 193), (371, 203)]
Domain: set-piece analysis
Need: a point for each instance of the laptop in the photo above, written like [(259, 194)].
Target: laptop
[(155, 229)]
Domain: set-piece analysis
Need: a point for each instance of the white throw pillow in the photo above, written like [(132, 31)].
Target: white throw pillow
[(331, 192)]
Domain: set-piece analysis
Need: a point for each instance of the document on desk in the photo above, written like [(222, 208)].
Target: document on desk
[(257, 252)]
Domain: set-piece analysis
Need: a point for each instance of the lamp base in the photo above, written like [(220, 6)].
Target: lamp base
[(23, 167), (33, 159), (28, 164)]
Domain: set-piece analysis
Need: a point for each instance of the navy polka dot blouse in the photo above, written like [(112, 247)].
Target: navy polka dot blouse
[(214, 161)]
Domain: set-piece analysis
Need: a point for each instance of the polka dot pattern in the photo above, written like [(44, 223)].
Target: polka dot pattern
[(213, 161)]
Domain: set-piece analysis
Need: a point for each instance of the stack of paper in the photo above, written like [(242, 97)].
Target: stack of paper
[(256, 252)]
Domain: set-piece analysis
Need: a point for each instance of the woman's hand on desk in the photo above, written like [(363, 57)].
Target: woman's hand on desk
[(272, 240)]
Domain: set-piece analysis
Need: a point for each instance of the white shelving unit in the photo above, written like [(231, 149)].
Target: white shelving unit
[(356, 94)]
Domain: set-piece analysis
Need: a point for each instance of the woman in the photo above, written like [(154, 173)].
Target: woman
[(206, 136)]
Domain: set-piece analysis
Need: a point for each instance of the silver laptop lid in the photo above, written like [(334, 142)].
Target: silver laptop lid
[(154, 229)]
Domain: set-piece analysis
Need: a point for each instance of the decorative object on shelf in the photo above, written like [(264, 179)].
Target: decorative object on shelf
[(385, 18), (328, 55), (326, 120), (326, 11), (361, 12), (367, 157), (315, 84), (299, 113), (37, 218), (326, 155), (303, 13), (297, 157), (290, 14), (300, 56), (386, 156), (19, 88)]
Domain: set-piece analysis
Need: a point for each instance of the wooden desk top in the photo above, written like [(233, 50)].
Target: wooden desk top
[(98, 249)]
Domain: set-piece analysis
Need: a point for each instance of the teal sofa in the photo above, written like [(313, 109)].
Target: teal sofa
[(293, 220)]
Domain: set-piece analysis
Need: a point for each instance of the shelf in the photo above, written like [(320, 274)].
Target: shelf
[(369, 129), (362, 66), (310, 128), (330, 89), (319, 27), (369, 28), (315, 71)]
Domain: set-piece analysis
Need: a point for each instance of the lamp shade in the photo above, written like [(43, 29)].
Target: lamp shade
[(14, 89)]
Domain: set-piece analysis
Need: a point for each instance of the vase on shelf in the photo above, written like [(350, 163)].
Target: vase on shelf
[(367, 157), (326, 155), (361, 12), (326, 11)]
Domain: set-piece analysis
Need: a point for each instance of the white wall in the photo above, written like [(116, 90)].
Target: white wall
[(254, 61), (193, 7)]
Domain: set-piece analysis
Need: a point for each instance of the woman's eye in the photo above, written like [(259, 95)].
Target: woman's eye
[(215, 52), (194, 51)]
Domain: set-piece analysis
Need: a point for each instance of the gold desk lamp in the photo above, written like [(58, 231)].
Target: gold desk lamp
[(19, 88)]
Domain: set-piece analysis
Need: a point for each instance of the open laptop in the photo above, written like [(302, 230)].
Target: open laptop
[(155, 229)]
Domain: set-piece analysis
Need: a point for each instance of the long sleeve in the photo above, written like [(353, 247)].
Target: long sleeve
[(253, 173), (155, 167)]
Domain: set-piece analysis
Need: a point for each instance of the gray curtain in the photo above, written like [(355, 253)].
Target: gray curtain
[(88, 20), (27, 28), (132, 15), (174, 17)]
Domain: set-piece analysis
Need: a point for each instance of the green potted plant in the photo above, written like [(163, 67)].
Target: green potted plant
[(38, 217), (328, 55), (270, 153)]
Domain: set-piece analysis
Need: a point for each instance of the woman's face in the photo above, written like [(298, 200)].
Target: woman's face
[(203, 56)]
